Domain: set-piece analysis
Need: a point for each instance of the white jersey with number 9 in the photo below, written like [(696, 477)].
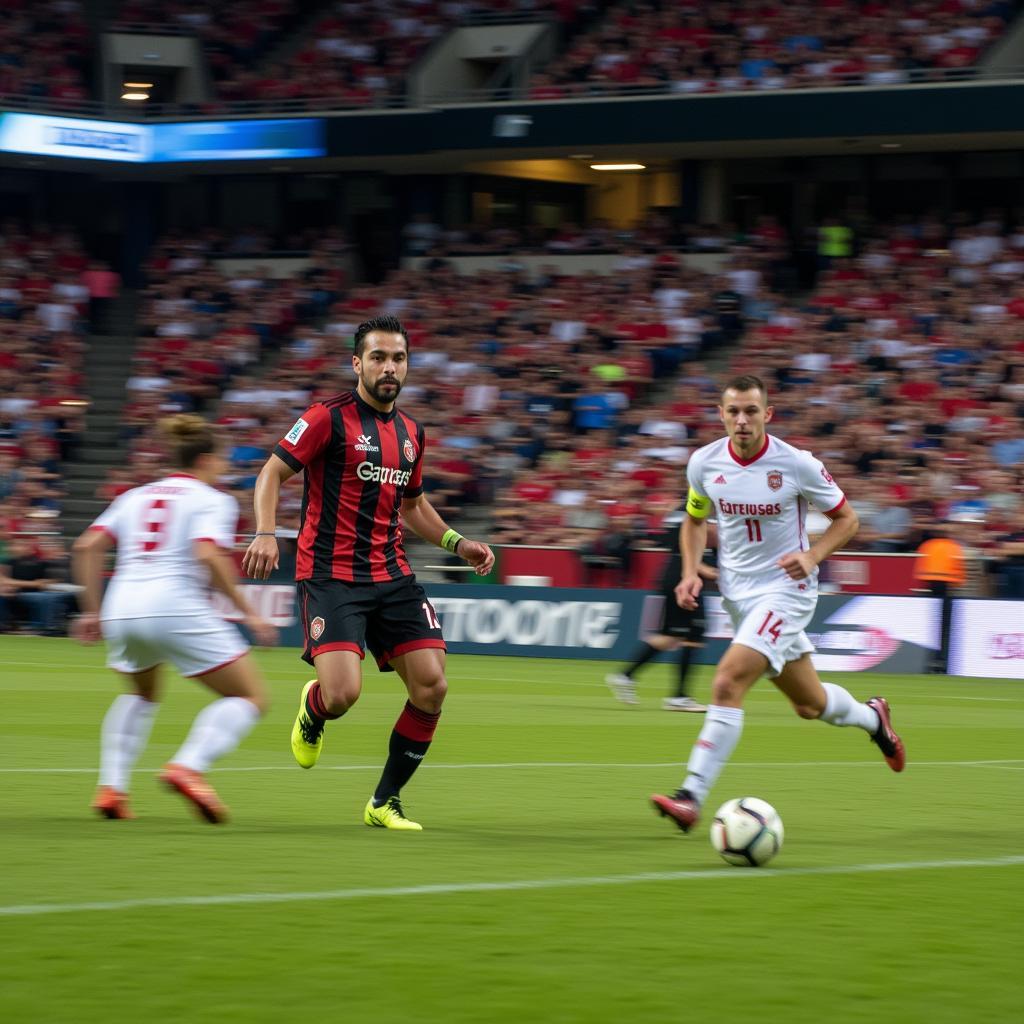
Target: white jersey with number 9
[(156, 527)]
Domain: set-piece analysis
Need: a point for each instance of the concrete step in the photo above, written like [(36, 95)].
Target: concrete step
[(103, 427), (88, 508), (122, 369), (74, 471), (105, 405), (103, 455), (107, 348), (100, 389)]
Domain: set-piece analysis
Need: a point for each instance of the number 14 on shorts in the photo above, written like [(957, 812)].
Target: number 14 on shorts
[(772, 626)]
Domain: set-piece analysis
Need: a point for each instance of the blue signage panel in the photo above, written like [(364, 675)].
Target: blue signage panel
[(123, 142)]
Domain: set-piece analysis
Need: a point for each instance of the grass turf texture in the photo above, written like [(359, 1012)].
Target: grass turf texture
[(705, 941)]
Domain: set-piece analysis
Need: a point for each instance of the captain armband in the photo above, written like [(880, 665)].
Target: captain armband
[(697, 506), (450, 540)]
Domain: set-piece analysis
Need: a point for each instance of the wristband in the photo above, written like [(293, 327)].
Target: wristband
[(450, 540)]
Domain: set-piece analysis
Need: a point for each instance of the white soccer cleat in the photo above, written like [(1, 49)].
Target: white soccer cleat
[(622, 687), (683, 704)]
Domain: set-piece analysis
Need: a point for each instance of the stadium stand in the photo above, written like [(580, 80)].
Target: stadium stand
[(693, 48), (43, 307), (345, 54), (566, 404), (44, 51)]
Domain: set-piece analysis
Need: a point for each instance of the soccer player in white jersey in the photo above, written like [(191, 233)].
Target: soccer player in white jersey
[(173, 538), (768, 578)]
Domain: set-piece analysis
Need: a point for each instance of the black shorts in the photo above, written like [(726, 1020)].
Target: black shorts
[(389, 618), (682, 623)]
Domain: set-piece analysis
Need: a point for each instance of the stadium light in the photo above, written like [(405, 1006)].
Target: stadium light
[(135, 96), (137, 85), (618, 167)]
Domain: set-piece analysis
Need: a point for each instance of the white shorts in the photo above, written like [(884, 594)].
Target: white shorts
[(194, 644), (774, 625)]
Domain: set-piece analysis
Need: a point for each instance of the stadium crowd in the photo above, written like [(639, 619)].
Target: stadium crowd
[(355, 53), (568, 403), (565, 404), (45, 48), (45, 299), (691, 47)]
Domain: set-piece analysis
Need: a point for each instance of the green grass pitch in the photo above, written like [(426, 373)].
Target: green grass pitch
[(543, 887)]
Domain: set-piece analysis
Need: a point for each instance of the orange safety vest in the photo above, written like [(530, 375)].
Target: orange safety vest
[(941, 559)]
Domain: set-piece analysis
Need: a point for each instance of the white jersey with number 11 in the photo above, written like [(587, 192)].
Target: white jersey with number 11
[(761, 507)]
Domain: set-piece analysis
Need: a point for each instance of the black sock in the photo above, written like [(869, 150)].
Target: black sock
[(643, 654), (315, 707), (410, 741), (685, 654)]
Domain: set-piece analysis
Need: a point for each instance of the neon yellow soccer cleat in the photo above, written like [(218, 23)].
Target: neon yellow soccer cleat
[(307, 733), (389, 815)]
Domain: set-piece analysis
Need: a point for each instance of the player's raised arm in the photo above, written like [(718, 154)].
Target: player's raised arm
[(422, 518), (262, 556)]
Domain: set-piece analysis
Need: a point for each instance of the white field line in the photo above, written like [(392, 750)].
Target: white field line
[(511, 885), (597, 685), (485, 766), (950, 696)]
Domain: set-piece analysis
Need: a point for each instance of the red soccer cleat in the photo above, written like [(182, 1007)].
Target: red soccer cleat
[(112, 803), (681, 808), (193, 787), (885, 738)]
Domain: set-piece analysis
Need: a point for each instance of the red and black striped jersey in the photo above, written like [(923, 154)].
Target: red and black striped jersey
[(358, 465)]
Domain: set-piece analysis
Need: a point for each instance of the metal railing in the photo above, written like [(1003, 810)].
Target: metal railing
[(574, 93)]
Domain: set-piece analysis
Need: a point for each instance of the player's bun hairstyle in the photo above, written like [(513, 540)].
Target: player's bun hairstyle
[(188, 436), (747, 382), (388, 324)]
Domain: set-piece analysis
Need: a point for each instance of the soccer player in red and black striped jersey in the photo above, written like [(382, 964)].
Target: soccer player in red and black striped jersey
[(363, 464)]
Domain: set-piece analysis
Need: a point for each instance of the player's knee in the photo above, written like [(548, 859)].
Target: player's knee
[(260, 701), (807, 711), (338, 697), (727, 688), (430, 693)]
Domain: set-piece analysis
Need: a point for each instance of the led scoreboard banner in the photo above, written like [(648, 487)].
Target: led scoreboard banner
[(125, 142)]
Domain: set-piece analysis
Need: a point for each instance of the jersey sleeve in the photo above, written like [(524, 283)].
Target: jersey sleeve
[(307, 439), (698, 504), (415, 486), (111, 521), (217, 521), (817, 485)]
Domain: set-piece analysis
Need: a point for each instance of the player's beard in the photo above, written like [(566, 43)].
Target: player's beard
[(380, 394)]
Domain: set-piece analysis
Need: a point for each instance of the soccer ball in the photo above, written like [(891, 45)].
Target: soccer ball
[(747, 831)]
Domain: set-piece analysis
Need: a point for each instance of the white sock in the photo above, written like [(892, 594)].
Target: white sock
[(217, 730), (714, 747), (123, 735), (842, 709)]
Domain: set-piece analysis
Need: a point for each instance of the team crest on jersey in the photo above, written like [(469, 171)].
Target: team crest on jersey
[(316, 628), (774, 479), (409, 451), (827, 475)]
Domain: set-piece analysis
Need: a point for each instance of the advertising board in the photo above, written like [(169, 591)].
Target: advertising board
[(987, 639), (125, 142)]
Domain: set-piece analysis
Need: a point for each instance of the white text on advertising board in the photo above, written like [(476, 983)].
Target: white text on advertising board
[(593, 624)]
